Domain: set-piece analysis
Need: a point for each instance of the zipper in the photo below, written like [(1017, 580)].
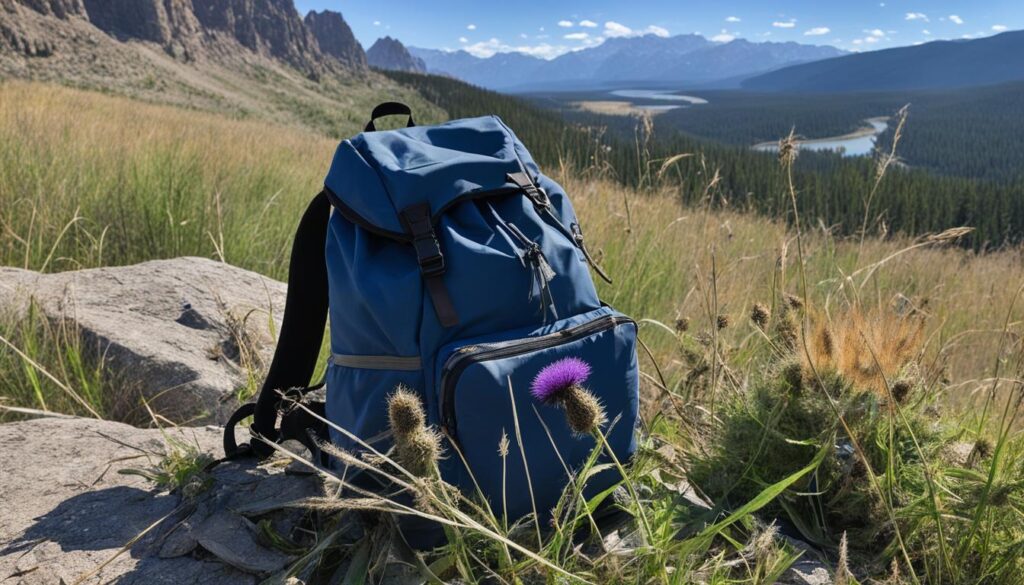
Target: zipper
[(468, 355)]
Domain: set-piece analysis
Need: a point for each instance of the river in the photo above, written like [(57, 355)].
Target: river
[(858, 143)]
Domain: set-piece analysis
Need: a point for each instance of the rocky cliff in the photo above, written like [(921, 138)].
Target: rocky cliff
[(335, 38), (187, 29), (389, 53)]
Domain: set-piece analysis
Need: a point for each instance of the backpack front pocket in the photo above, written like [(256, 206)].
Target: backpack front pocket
[(484, 394)]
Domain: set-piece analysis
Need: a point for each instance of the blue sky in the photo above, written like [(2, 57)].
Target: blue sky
[(547, 28)]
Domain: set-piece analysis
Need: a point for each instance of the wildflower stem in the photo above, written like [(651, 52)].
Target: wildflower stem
[(625, 481)]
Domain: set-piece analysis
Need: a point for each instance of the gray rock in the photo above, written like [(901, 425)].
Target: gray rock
[(232, 539), (809, 569), (69, 512), (179, 332)]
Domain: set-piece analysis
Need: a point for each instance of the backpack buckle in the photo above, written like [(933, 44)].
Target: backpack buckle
[(536, 194), (429, 256), (424, 241)]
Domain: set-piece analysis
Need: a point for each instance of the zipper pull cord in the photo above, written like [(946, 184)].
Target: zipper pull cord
[(577, 236), (543, 273)]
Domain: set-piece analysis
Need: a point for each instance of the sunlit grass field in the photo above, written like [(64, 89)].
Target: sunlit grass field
[(91, 180)]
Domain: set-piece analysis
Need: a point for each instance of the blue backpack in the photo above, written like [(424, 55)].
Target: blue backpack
[(449, 265)]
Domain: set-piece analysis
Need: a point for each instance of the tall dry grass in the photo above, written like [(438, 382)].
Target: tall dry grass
[(90, 180), (693, 263)]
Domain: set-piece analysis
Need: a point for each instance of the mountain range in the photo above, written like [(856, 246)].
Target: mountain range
[(644, 59), (934, 65)]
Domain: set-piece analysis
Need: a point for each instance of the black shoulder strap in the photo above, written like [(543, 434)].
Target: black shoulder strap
[(302, 330)]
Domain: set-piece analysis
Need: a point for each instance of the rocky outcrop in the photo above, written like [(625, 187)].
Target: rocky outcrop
[(190, 29), (335, 38), (69, 508), (389, 53), (271, 28), (169, 23), (184, 333), (19, 24), (59, 8)]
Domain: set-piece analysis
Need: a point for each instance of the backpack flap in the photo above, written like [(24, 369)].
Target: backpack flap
[(377, 175)]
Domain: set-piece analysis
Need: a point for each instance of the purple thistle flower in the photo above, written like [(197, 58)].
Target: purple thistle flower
[(556, 377)]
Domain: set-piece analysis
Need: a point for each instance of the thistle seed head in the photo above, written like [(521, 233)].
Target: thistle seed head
[(796, 303), (583, 411), (722, 321), (760, 314), (405, 412), (419, 452), (901, 390), (682, 324)]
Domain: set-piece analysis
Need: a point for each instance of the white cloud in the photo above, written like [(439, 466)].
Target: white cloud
[(917, 16), (615, 29), (524, 36), (463, 40), (870, 40), (817, 31), (724, 37), (956, 19), (376, 23), (588, 24), (784, 24), (732, 19), (470, 27), (491, 46), (876, 32), (999, 27), (656, 31), (565, 23), (576, 36), (926, 32)]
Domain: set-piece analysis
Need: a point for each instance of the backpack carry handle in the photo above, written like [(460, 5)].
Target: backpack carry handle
[(389, 109)]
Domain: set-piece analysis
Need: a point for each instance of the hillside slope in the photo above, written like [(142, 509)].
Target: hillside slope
[(245, 58), (935, 65)]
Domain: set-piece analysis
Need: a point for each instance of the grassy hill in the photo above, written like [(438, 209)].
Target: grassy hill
[(773, 351)]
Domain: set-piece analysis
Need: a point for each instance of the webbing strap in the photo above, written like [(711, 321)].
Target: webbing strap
[(419, 224), (302, 328)]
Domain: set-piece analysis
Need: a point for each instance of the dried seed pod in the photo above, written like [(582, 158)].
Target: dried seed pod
[(760, 314), (405, 412)]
